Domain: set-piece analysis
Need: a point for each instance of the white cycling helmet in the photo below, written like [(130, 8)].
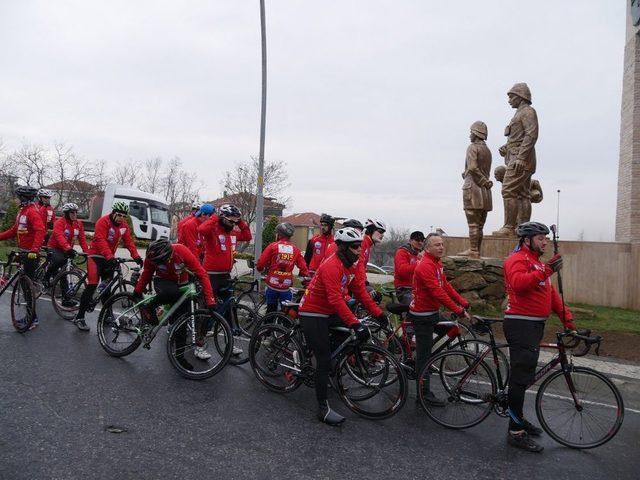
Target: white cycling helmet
[(196, 206), (375, 223), (43, 192), (348, 235), (69, 207)]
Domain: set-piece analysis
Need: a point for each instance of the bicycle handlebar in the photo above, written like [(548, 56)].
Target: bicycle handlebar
[(588, 341)]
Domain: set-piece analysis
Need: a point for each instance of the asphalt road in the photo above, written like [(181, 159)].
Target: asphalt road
[(60, 393)]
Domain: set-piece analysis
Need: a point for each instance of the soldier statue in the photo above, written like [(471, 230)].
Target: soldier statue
[(476, 190), (520, 159)]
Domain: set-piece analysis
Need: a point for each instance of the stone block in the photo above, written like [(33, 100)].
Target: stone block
[(468, 281), (472, 265), (494, 290)]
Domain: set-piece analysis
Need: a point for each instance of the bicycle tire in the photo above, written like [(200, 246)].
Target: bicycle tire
[(250, 298), (476, 347), (559, 397), (124, 321), (374, 372), (458, 397), (22, 295), (74, 292), (245, 319), (273, 361), (186, 366), (274, 318)]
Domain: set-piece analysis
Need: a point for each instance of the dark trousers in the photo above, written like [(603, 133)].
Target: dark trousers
[(57, 259), (30, 266), (423, 328), (167, 293), (524, 337), (316, 332), (223, 291), (101, 269)]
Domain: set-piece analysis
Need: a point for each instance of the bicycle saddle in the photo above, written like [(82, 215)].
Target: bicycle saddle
[(397, 308)]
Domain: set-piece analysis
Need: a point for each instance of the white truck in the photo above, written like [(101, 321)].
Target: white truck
[(149, 213)]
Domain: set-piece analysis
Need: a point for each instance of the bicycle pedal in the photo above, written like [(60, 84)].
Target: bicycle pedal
[(147, 346)]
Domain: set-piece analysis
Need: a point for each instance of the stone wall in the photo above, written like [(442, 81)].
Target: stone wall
[(480, 281)]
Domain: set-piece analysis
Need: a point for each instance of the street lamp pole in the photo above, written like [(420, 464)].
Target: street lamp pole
[(263, 120)]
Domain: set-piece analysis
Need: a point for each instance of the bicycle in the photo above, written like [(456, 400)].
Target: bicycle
[(23, 300), (367, 378), (66, 300), (577, 406), (122, 329)]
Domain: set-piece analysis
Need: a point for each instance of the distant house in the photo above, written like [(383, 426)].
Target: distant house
[(73, 191)]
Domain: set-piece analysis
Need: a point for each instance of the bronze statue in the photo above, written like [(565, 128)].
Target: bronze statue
[(520, 159), (535, 188), (476, 190)]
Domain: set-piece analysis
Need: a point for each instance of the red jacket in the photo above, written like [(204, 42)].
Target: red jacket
[(189, 237), (330, 285), (182, 222), (529, 290), (431, 289), (106, 237), (177, 269), (220, 244), (65, 234), (48, 215), (28, 228), (279, 258), (316, 250), (404, 264), (365, 253)]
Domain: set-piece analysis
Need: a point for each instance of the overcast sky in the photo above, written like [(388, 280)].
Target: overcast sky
[(369, 102)]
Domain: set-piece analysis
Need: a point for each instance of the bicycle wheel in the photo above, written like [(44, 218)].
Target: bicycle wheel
[(277, 358), (468, 393), (119, 325), (251, 299), (478, 347), (594, 422), (23, 304), (245, 320), (371, 382), (66, 299), (274, 318), (182, 342)]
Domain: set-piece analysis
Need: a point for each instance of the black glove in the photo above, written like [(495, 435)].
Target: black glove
[(362, 333), (138, 261), (555, 262), (383, 320), (71, 253), (112, 263)]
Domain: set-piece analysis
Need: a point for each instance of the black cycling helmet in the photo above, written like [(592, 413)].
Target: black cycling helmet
[(530, 229), (229, 210), (26, 192), (159, 251), (328, 219), (353, 223), (285, 229)]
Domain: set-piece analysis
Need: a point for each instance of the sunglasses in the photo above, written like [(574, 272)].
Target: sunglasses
[(355, 246), (121, 215), (235, 222)]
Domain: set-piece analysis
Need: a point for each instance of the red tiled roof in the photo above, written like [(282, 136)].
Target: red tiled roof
[(306, 219)]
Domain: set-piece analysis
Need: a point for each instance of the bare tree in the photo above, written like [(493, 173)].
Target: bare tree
[(242, 182), (127, 173), (178, 187), (151, 174), (394, 238), (30, 165)]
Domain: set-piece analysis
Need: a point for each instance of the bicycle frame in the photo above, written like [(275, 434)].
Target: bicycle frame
[(13, 277), (188, 292)]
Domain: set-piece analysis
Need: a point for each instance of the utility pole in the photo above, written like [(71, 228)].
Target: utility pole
[(263, 120)]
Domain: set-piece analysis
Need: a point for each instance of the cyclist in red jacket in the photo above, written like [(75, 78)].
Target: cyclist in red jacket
[(317, 246), (29, 231), (188, 234), (404, 263), (279, 259), (194, 209), (169, 266), (431, 290), (531, 299), (373, 234), (108, 231), (324, 305), (46, 210), (220, 235), (66, 231), (349, 222)]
